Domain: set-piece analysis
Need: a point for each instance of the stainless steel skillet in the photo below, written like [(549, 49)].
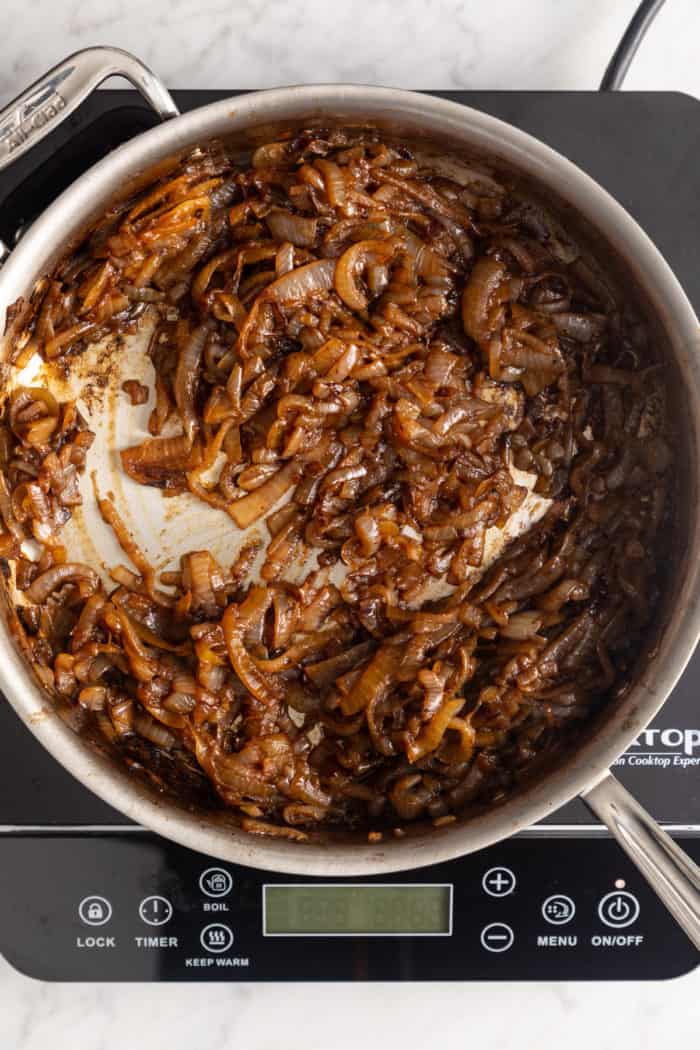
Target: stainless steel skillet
[(586, 772)]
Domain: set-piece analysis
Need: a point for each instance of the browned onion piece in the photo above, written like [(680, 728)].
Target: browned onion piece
[(327, 671), (136, 392), (409, 796), (199, 574), (161, 410), (431, 735), (262, 687), (33, 415), (350, 265), (67, 572), (269, 155), (582, 327), (477, 299), (333, 181), (261, 827), (8, 513), (111, 517), (314, 278), (186, 378), (161, 461), (374, 681), (522, 625), (258, 502), (297, 229), (147, 727)]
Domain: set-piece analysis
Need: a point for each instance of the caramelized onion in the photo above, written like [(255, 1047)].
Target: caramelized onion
[(351, 263), (478, 297), (33, 415), (161, 461), (447, 434), (314, 278), (297, 229), (67, 572), (250, 508), (186, 378), (234, 623)]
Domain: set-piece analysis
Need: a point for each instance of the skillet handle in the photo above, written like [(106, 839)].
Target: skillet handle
[(33, 114), (670, 872)]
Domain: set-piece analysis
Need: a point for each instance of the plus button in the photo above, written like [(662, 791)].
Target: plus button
[(498, 882)]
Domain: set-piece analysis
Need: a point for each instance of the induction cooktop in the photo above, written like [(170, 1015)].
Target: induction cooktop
[(87, 895)]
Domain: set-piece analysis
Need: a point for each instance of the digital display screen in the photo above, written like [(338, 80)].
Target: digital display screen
[(295, 909)]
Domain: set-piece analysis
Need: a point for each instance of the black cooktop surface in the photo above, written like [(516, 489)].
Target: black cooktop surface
[(107, 904)]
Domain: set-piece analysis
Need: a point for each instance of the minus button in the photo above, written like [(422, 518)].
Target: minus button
[(497, 937)]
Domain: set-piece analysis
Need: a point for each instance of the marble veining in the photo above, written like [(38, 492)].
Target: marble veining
[(507, 44)]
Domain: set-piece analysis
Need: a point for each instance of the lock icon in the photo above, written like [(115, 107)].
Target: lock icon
[(95, 911)]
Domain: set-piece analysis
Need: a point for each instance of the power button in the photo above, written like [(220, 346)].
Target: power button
[(618, 909)]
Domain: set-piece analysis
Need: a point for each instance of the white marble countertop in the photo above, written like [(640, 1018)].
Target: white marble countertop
[(541, 44), (545, 44)]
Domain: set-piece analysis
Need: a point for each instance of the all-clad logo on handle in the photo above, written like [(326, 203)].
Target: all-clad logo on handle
[(22, 130), (33, 112)]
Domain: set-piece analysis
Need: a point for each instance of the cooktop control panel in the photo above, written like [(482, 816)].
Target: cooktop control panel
[(131, 907)]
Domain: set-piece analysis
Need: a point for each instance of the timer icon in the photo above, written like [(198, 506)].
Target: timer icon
[(155, 910)]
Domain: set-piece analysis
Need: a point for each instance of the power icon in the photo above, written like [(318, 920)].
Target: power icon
[(618, 909)]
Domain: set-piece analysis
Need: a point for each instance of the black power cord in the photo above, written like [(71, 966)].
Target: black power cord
[(627, 48)]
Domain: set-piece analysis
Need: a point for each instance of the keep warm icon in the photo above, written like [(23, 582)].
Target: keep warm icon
[(216, 938)]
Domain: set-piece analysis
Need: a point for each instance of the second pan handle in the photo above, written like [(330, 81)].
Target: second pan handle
[(33, 114), (670, 872)]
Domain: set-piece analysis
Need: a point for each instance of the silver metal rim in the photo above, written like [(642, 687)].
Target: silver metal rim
[(466, 127)]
